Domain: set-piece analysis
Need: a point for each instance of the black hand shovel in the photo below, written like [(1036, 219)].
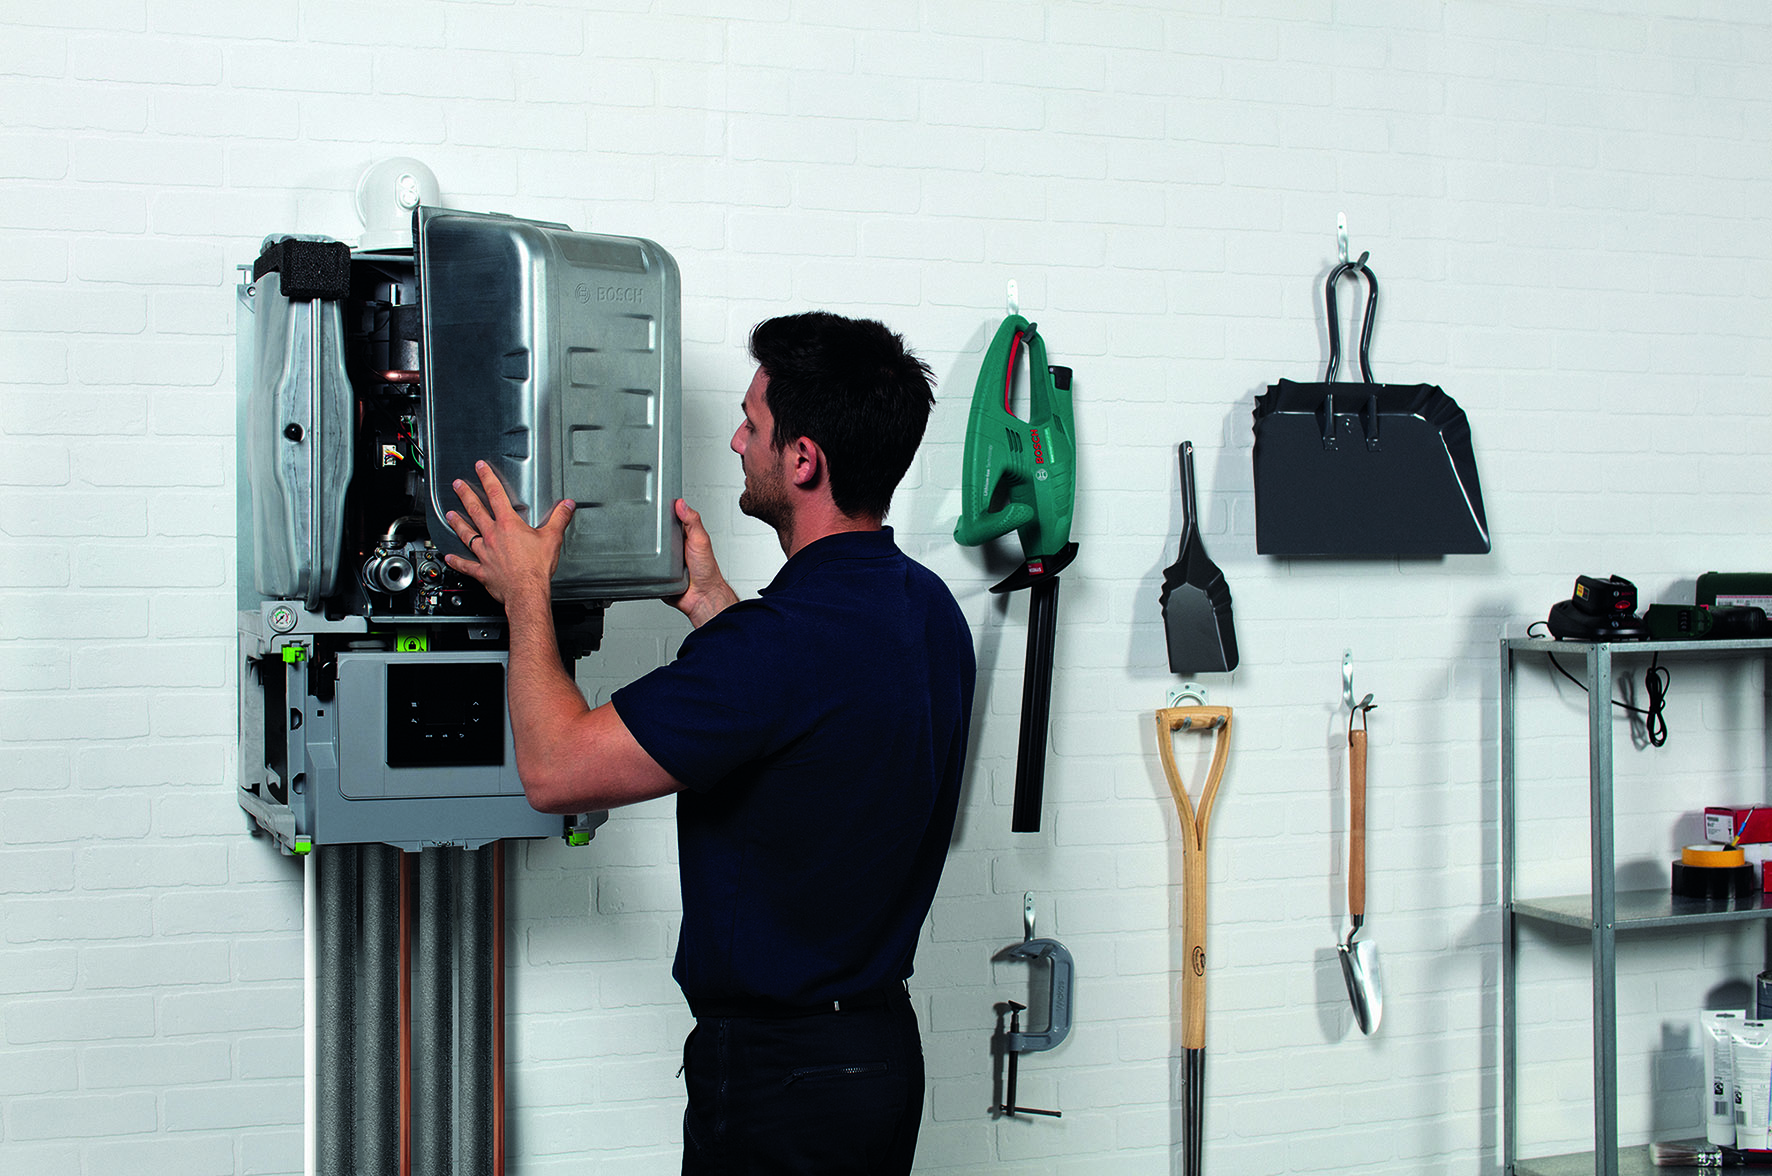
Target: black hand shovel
[(1196, 601)]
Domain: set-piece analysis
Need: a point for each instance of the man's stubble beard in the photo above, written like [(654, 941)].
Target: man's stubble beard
[(768, 504)]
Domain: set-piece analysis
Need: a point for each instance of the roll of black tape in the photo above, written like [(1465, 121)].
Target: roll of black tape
[(1711, 882)]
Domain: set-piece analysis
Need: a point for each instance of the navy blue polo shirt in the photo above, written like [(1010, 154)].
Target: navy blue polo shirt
[(820, 733)]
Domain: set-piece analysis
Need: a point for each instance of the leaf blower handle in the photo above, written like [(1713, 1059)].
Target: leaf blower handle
[(1019, 475), (981, 527)]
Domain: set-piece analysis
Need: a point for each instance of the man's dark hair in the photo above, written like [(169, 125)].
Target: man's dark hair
[(854, 388)]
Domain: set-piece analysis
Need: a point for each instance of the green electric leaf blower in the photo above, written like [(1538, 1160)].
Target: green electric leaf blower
[(1021, 476)]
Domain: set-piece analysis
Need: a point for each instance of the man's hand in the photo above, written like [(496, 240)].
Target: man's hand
[(708, 592), (510, 556), (570, 758)]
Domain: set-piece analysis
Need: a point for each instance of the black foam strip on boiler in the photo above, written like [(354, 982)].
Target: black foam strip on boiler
[(308, 269)]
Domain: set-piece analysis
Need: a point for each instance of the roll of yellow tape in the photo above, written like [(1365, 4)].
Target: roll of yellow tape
[(1712, 856)]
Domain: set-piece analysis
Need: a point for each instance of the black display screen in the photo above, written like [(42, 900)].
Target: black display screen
[(446, 715)]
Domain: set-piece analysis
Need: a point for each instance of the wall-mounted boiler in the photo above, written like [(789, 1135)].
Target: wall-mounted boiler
[(372, 677)]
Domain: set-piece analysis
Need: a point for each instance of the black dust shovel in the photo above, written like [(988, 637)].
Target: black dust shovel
[(1363, 468), (1196, 600)]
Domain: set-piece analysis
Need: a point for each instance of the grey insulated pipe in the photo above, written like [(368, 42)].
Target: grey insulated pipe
[(473, 971), (377, 1106), (454, 1094), (336, 1011), (433, 1021), (359, 1009)]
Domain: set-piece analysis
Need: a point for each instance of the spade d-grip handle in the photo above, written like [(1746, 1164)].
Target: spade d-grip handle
[(1194, 819)]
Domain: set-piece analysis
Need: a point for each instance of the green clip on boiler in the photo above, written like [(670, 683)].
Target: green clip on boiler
[(1021, 476)]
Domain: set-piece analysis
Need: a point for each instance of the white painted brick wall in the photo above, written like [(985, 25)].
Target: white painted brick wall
[(1565, 203)]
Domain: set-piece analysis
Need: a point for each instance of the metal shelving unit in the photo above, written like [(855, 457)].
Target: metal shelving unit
[(1604, 912)]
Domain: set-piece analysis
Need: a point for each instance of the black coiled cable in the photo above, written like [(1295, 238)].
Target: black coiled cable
[(1655, 683)]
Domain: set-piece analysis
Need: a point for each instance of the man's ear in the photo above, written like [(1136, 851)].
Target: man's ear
[(806, 462)]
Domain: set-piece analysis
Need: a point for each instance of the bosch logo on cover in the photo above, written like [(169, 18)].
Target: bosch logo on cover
[(1039, 451), (621, 294)]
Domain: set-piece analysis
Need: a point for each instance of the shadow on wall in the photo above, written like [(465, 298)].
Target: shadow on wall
[(936, 513), (1487, 623)]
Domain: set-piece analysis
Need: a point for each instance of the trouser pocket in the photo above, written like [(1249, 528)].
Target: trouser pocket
[(838, 1072)]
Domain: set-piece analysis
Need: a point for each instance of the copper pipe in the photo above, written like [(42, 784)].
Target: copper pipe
[(405, 1015), (400, 376), (498, 1008)]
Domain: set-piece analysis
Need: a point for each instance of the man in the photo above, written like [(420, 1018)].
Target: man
[(815, 739)]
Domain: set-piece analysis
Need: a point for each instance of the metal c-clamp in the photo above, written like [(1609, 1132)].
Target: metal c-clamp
[(1015, 1041)]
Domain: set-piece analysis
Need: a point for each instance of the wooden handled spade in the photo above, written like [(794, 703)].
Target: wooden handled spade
[(1193, 912)]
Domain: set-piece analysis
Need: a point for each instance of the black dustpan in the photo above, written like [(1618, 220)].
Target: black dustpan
[(1196, 601), (1364, 468)]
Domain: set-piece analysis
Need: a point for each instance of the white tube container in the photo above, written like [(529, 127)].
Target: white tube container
[(1751, 1054), (1719, 1103)]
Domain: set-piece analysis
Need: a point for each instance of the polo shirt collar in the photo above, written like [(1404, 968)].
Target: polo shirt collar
[(829, 548)]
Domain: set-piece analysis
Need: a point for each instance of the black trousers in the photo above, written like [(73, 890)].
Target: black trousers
[(821, 1095)]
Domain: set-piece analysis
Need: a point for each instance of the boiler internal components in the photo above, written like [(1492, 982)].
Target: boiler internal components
[(372, 691)]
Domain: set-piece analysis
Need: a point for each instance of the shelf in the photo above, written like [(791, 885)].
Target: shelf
[(1642, 909), (1632, 1161), (1627, 913), (1702, 645)]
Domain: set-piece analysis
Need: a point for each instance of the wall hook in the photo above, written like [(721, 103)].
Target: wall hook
[(1347, 684), (1187, 694), (1347, 691), (1342, 250)]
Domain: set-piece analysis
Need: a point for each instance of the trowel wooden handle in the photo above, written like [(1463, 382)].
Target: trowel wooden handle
[(1356, 859)]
